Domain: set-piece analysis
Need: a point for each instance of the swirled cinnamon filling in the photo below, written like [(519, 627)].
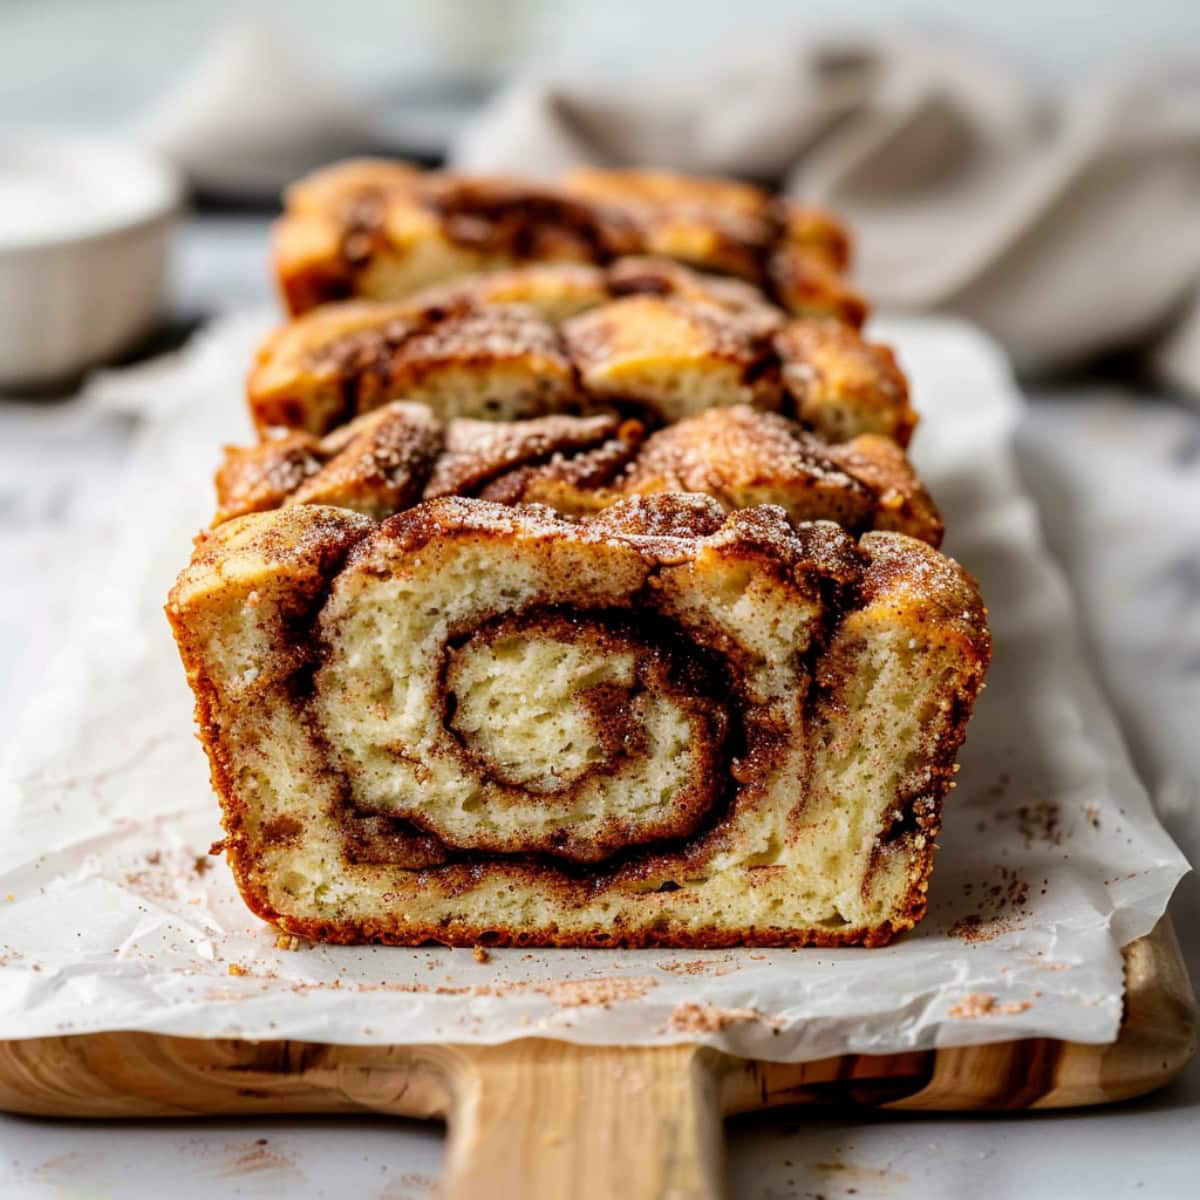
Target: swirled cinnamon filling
[(537, 731)]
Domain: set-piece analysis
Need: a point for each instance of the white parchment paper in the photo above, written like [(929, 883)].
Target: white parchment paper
[(113, 917)]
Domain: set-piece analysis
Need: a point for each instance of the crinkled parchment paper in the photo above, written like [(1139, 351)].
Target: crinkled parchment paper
[(113, 917)]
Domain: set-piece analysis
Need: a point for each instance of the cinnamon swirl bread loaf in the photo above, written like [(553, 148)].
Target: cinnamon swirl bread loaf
[(661, 725), (645, 335), (383, 230), (387, 460), (579, 591)]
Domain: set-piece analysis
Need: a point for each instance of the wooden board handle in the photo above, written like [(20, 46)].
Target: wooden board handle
[(548, 1119)]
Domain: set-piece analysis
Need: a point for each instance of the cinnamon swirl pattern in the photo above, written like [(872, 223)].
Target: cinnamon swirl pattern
[(383, 230), (644, 335), (393, 457), (662, 725)]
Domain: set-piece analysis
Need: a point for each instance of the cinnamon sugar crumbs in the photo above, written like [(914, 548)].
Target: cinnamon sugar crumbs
[(700, 966), (564, 993), (973, 929), (287, 941), (480, 954), (980, 1004), (1000, 907), (1046, 964), (575, 993), (689, 1017), (1039, 822)]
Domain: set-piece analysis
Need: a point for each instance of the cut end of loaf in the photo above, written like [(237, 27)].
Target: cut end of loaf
[(663, 726)]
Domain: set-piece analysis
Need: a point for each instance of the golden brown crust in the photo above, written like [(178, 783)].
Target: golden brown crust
[(901, 502), (889, 594), (264, 476), (842, 384), (743, 457), (383, 230), (670, 354), (384, 462)]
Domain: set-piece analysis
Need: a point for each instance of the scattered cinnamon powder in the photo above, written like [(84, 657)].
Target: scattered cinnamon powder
[(980, 1004), (565, 993), (1000, 907)]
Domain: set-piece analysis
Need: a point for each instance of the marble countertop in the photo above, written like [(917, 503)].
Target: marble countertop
[(1116, 474)]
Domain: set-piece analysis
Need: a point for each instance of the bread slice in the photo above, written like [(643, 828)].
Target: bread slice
[(644, 334), (663, 725), (389, 459), (383, 230)]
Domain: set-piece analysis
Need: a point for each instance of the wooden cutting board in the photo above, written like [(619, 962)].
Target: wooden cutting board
[(539, 1118)]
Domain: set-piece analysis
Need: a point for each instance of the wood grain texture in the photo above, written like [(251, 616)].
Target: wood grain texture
[(545, 1118)]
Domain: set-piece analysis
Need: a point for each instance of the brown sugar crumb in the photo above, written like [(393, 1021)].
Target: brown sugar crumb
[(237, 969), (201, 865), (688, 1017), (980, 1004), (1092, 813), (480, 954), (287, 941)]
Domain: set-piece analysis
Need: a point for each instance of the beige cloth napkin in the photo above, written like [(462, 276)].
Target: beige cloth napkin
[(1067, 230)]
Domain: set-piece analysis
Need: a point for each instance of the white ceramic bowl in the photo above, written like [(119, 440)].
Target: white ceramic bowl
[(84, 233)]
